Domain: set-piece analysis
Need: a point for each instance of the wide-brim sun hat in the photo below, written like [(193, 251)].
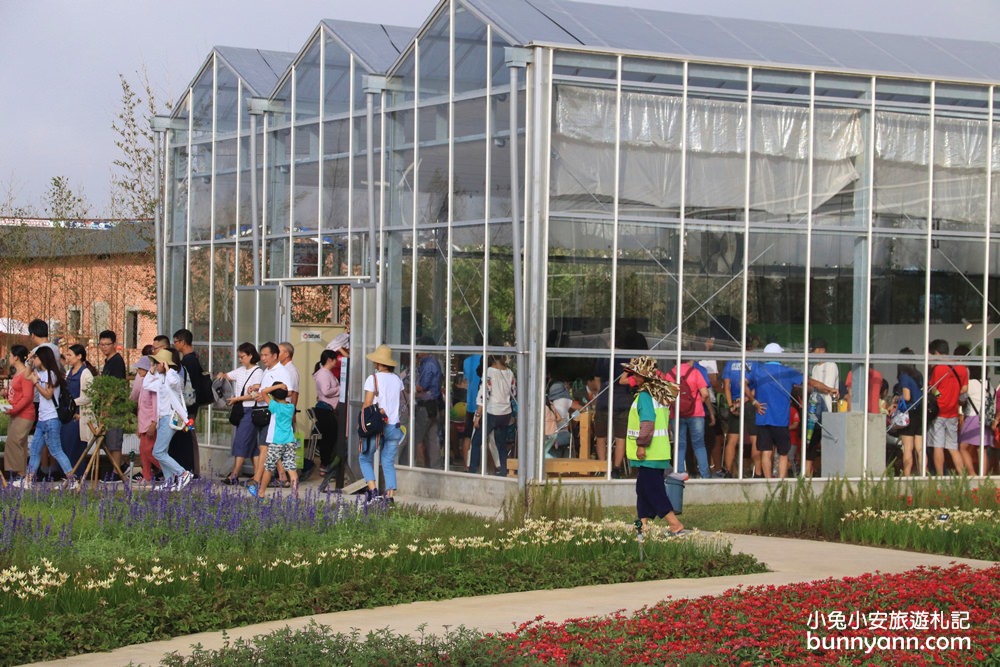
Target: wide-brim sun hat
[(163, 357), (644, 366), (382, 355)]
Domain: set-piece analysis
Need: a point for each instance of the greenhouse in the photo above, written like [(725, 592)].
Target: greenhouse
[(566, 185)]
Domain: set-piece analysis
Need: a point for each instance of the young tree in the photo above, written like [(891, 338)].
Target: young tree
[(64, 203), (133, 192)]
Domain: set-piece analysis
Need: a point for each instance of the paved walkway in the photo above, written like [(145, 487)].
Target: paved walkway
[(791, 561)]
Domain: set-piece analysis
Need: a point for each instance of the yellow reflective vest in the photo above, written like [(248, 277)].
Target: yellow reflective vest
[(659, 447)]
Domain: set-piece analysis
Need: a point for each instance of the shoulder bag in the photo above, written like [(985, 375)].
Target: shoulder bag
[(236, 412)]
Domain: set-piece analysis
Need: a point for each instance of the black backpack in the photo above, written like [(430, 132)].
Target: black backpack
[(65, 406), (371, 422)]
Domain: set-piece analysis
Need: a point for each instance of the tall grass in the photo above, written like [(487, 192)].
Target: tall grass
[(552, 502), (795, 508)]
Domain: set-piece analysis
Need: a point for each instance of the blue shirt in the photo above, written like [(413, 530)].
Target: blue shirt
[(469, 368), (429, 378), (773, 383), (731, 372), (283, 413), (916, 391)]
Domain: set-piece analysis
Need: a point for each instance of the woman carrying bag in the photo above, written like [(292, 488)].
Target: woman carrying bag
[(241, 415), (76, 434), (164, 379), (48, 378), (495, 399), (382, 388)]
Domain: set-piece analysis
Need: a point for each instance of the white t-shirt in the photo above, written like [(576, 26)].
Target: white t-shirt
[(169, 392), (293, 376), (243, 378), (976, 398), (389, 387), (499, 388), (711, 367), (827, 373), (278, 373), (47, 406)]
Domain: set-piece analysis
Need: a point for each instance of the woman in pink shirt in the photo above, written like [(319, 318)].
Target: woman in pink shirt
[(327, 398), (22, 412), (147, 415)]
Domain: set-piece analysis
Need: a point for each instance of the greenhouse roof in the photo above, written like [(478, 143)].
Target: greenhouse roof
[(376, 45), (743, 40), (258, 69)]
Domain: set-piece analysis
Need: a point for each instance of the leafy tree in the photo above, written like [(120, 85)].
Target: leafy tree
[(62, 202), (133, 192)]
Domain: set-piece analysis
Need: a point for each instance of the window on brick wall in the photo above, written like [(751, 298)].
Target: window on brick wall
[(131, 341), (101, 317), (74, 320)]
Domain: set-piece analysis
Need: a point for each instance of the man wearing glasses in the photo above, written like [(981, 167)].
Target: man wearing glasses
[(114, 366)]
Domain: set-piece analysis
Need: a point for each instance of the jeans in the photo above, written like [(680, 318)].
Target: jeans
[(695, 426), (496, 424), (164, 434), (391, 437), (48, 434)]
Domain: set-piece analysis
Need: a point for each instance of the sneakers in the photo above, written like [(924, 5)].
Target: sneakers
[(163, 486), (371, 495), (680, 476), (21, 483), (183, 480), (71, 484), (252, 489), (680, 533)]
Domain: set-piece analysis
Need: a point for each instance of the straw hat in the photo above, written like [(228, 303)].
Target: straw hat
[(382, 355), (163, 357), (643, 366)]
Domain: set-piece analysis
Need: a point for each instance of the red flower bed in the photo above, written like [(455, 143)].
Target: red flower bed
[(768, 625)]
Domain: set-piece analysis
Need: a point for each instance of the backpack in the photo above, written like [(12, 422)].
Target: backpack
[(204, 393), (989, 403), (686, 399), (65, 406), (371, 422)]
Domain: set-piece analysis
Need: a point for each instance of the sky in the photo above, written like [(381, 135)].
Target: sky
[(60, 60)]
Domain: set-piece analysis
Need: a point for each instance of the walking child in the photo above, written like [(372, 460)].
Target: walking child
[(283, 446)]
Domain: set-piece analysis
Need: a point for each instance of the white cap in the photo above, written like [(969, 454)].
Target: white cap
[(773, 348), (341, 341)]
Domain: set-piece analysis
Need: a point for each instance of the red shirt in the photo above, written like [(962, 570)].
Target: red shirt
[(21, 396), (874, 389), (948, 387)]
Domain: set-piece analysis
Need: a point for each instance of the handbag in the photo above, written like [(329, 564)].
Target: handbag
[(371, 419), (177, 422), (261, 417), (236, 412)]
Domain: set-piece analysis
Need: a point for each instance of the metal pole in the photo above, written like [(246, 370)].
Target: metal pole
[(254, 200), (158, 237), (515, 215)]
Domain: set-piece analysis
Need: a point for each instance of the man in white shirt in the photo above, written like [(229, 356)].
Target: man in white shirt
[(285, 353), (825, 383), (275, 375)]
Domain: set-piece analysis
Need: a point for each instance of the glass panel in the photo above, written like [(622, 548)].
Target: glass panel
[(399, 168), (471, 51), (899, 276), (307, 89), (336, 171), (432, 282), (779, 143), (245, 270), (431, 171), (225, 190), (902, 154), (469, 179), (435, 57), (176, 288), (359, 192), (713, 287), (201, 192), (277, 258), (337, 78), (305, 258), (961, 152), (246, 324), (227, 101), (501, 326), (837, 283), (428, 414), (267, 316), (579, 283), (467, 285), (646, 308), (398, 263), (223, 284), (177, 222), (201, 102), (305, 196), (716, 143), (201, 291), (334, 254), (840, 152), (776, 290)]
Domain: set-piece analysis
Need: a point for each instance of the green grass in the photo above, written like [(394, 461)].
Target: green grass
[(108, 575)]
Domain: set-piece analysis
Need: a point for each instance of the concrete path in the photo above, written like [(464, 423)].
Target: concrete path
[(791, 561)]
